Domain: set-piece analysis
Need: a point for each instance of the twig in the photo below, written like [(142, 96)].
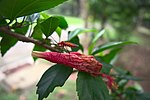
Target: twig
[(6, 30)]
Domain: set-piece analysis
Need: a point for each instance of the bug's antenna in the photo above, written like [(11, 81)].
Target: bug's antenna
[(53, 39), (68, 34)]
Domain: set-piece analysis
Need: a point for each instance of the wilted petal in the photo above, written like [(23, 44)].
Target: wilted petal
[(79, 61), (110, 81), (73, 59)]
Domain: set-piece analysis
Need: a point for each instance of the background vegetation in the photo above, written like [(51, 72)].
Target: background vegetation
[(111, 25)]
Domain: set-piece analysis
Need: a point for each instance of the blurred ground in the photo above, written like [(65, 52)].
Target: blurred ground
[(67, 92), (137, 60)]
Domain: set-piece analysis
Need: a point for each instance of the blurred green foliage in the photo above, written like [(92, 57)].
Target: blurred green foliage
[(123, 16)]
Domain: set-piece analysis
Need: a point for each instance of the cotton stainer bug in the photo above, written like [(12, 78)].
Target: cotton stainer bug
[(64, 44), (68, 44)]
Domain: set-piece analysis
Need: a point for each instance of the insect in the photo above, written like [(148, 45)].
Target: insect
[(68, 44), (63, 44)]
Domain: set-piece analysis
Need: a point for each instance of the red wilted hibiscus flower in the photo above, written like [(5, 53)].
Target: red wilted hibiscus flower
[(81, 62)]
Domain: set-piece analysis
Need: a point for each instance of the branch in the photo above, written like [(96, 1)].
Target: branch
[(6, 30)]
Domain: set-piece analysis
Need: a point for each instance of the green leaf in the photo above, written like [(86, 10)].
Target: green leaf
[(44, 15), (111, 55), (55, 76), (91, 88), (2, 34), (79, 31), (129, 77), (120, 71), (16, 8), (58, 31), (37, 32), (130, 93), (38, 48), (3, 22), (62, 22), (6, 43), (23, 30), (49, 26), (125, 74), (98, 35), (76, 41), (106, 66), (111, 45), (90, 48)]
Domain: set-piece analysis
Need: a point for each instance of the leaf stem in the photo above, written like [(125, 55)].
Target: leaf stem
[(6, 30)]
